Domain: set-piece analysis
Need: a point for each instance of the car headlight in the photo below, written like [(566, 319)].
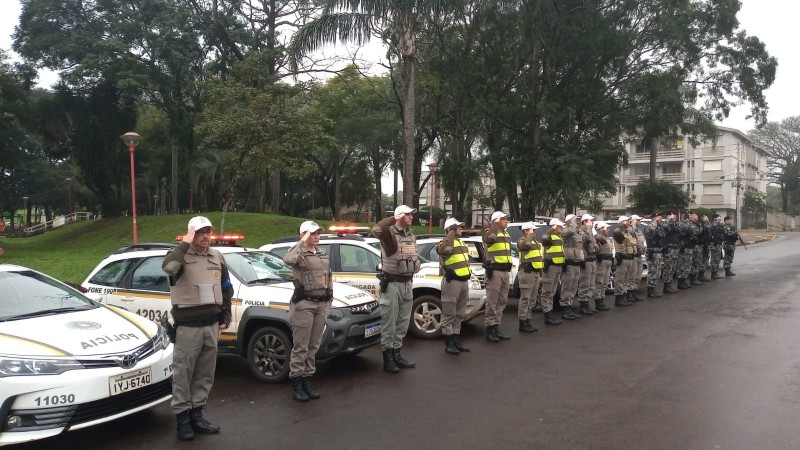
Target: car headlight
[(14, 366), (161, 339), (474, 283), (335, 314)]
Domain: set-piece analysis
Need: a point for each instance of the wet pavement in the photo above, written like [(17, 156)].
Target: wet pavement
[(714, 367)]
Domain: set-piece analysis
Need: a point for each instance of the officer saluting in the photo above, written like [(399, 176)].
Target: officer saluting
[(553, 262), (399, 263), (201, 291), (454, 259), (309, 307), (498, 265), (531, 263)]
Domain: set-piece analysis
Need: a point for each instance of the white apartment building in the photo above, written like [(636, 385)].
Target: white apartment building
[(716, 173)]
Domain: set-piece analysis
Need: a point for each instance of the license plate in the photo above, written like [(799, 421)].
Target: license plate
[(130, 381), (372, 329)]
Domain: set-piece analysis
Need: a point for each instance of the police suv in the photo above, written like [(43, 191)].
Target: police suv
[(68, 362), (355, 261), (132, 278)]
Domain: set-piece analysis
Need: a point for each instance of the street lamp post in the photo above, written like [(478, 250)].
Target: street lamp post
[(132, 139), (69, 194), (431, 195), (155, 204), (26, 216)]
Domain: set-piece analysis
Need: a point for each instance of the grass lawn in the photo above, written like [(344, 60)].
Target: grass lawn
[(70, 252)]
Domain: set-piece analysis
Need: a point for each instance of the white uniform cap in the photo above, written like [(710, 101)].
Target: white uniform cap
[(569, 217), (587, 217), (497, 215), (601, 224), (623, 218), (452, 221), (529, 226), (199, 222), (555, 221), (635, 217), (310, 226), (403, 209)]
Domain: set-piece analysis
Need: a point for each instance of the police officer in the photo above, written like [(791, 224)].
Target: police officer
[(571, 272), (731, 236), (697, 266), (454, 259), (715, 246), (604, 258), (309, 307), (706, 238), (635, 275), (498, 264), (531, 263), (626, 250), (200, 291), (553, 262), (654, 235), (685, 258), (672, 251), (589, 267), (399, 262)]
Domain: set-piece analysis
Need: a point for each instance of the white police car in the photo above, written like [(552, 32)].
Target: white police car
[(68, 362)]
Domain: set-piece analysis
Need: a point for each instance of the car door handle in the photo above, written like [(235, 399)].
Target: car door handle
[(126, 299)]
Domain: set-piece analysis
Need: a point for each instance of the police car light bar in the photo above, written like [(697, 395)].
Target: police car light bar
[(341, 230), (228, 239)]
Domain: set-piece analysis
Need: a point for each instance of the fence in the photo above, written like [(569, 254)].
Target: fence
[(782, 222), (56, 222)]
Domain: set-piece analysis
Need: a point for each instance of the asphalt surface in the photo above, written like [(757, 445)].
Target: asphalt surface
[(714, 367)]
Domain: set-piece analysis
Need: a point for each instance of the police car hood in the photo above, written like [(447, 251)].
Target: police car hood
[(97, 331), (343, 295)]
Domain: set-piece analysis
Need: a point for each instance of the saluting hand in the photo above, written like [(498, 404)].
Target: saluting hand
[(189, 237), (304, 237)]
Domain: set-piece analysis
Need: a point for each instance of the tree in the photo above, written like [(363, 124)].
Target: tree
[(651, 196), (783, 165)]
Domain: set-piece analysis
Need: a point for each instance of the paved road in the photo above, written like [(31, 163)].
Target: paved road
[(715, 367)]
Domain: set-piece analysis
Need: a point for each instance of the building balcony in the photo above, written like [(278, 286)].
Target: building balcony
[(671, 177), (662, 154)]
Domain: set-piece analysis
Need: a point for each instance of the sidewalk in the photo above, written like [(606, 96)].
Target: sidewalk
[(756, 236)]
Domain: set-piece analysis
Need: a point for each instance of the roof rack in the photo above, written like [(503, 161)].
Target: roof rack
[(144, 246)]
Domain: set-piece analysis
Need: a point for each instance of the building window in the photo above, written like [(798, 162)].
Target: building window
[(712, 189), (714, 165), (667, 168), (639, 148), (640, 169)]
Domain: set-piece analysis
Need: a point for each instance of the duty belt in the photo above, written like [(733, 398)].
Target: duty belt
[(655, 250), (591, 258), (624, 256), (602, 258), (315, 298), (573, 262), (198, 323), (398, 278)]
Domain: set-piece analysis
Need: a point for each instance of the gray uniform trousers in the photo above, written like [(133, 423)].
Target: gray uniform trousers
[(670, 268), (630, 279), (550, 279), (698, 265), (586, 282), (602, 278), (569, 284), (528, 290), (496, 297), (396, 305), (455, 295), (685, 262), (715, 255), (728, 258), (622, 277), (307, 319), (638, 268), (194, 361), (655, 264)]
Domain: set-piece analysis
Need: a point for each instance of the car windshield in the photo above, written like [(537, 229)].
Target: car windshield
[(30, 294), (258, 267)]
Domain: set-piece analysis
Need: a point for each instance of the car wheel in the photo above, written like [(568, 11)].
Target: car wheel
[(610, 288), (268, 355), (426, 317)]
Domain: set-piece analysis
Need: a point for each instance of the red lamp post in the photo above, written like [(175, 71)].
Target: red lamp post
[(432, 195), (132, 139)]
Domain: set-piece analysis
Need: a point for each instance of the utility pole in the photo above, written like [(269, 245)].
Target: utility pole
[(738, 186)]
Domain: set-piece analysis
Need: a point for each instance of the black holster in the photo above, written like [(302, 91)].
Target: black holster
[(171, 331), (449, 275), (489, 270), (384, 281), (298, 291), (527, 267), (618, 257)]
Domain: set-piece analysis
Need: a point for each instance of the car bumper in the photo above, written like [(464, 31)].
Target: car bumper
[(476, 305), (351, 332), (48, 405)]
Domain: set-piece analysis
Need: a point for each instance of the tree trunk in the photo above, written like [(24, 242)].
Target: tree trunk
[(409, 112), (653, 144), (175, 208)]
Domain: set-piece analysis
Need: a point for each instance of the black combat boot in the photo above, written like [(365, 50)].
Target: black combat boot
[(491, 335), (525, 326), (185, 431), (310, 392), (584, 309), (668, 289), (462, 348), (201, 425), (402, 362), (619, 300), (550, 319), (298, 393), (729, 272), (567, 313), (695, 281), (600, 304), (537, 306), (651, 293), (388, 362), (682, 283), (716, 276), (630, 298), (449, 347), (702, 276), (500, 334), (636, 297)]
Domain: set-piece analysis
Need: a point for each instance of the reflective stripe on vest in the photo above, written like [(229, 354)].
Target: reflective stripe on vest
[(500, 251), (555, 252), (458, 261), (534, 256)]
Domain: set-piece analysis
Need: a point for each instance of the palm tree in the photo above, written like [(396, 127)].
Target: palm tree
[(355, 21)]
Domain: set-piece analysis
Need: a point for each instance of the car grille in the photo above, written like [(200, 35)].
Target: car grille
[(142, 352), (481, 280), (366, 308), (64, 416)]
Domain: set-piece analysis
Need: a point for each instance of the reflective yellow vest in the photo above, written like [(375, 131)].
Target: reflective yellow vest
[(534, 256), (458, 261), (555, 252), (500, 251)]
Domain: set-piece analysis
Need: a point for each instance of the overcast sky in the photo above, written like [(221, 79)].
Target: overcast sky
[(772, 21)]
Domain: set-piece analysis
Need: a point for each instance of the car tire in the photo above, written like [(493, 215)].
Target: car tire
[(426, 317), (268, 354)]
